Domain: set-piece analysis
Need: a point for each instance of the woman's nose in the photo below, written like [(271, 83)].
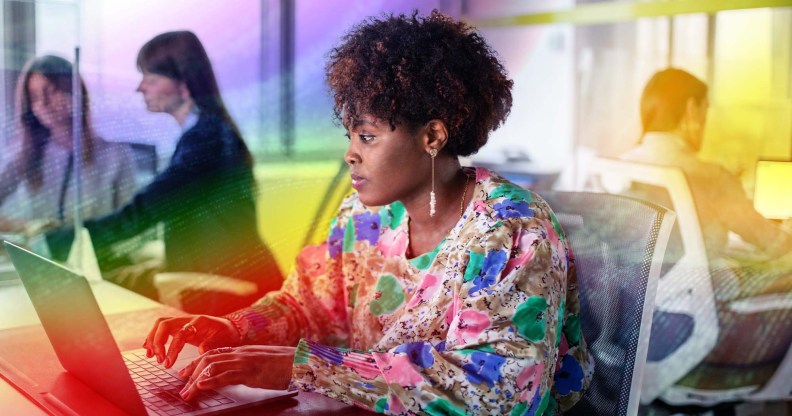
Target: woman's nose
[(351, 157)]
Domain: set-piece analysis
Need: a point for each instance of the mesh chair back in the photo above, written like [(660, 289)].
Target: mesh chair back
[(683, 332), (618, 243)]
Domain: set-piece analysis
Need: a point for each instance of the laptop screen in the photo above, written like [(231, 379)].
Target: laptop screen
[(773, 189), (76, 327)]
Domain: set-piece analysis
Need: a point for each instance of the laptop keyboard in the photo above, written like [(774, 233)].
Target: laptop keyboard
[(160, 390)]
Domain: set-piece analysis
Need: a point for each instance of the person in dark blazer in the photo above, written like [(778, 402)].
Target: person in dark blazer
[(205, 197)]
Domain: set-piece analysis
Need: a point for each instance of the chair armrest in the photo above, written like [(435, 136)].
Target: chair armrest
[(762, 303)]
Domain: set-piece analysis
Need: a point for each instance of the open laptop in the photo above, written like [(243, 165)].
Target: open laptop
[(85, 347), (773, 189)]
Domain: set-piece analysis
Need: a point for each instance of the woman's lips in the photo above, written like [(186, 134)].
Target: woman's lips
[(357, 181)]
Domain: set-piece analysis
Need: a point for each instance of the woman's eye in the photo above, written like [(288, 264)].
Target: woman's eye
[(348, 137), (366, 138)]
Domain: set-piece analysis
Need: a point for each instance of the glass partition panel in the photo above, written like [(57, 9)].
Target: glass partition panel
[(30, 30)]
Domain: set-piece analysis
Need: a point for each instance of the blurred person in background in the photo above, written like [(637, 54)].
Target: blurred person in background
[(37, 179), (674, 107), (205, 197)]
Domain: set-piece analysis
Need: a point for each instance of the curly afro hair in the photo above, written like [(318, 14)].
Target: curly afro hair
[(410, 69)]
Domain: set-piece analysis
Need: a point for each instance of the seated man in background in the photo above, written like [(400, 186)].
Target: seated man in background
[(673, 114)]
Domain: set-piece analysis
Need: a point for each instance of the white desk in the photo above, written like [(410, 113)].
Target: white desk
[(16, 311)]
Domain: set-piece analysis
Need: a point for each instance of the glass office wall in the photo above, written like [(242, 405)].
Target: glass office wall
[(748, 72), (576, 92), (231, 32), (575, 84), (579, 75)]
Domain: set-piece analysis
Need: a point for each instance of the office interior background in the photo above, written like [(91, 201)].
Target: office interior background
[(578, 67)]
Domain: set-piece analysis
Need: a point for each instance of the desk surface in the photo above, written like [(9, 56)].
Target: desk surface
[(17, 314)]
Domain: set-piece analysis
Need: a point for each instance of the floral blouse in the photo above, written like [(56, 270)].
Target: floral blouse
[(486, 323)]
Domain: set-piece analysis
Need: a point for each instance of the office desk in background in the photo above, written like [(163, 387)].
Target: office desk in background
[(130, 316), (518, 167)]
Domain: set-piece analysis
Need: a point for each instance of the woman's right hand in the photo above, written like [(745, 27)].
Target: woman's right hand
[(207, 332)]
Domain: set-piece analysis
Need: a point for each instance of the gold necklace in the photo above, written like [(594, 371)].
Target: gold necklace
[(464, 195)]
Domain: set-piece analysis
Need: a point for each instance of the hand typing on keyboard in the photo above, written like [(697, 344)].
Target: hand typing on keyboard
[(207, 332), (260, 366), (159, 390)]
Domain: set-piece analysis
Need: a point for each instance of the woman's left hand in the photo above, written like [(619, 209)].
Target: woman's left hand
[(260, 366)]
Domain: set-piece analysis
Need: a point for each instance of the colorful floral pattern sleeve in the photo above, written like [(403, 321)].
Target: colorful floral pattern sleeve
[(308, 305), (487, 323)]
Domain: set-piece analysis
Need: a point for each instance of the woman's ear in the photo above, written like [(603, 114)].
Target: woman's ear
[(435, 135), (184, 91)]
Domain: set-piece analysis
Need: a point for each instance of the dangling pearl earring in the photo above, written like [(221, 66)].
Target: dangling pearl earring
[(432, 201)]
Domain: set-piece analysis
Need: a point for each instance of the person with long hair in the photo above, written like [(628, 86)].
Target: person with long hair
[(37, 180), (440, 289), (205, 197)]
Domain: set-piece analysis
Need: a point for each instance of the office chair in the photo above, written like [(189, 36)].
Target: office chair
[(145, 158), (618, 243), (686, 324), (685, 316)]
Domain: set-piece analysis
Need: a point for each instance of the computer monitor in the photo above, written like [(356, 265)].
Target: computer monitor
[(773, 189)]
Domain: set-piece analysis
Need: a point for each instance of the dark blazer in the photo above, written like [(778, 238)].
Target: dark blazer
[(205, 198)]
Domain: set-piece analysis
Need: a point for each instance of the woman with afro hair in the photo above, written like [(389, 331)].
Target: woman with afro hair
[(440, 289)]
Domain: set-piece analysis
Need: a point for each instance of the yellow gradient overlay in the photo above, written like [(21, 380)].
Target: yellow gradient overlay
[(773, 197), (289, 196)]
